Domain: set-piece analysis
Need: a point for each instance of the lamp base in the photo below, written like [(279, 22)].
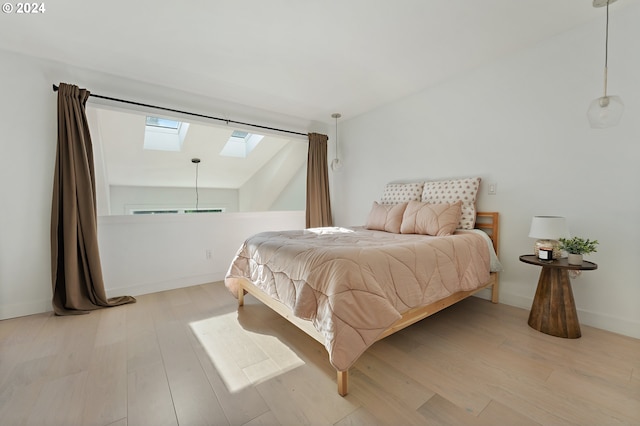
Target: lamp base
[(552, 245)]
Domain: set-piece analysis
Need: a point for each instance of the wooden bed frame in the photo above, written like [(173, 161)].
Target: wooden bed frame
[(486, 221)]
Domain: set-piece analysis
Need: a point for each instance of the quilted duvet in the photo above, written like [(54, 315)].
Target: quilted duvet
[(354, 283)]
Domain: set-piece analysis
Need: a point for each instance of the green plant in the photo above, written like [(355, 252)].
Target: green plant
[(577, 245)]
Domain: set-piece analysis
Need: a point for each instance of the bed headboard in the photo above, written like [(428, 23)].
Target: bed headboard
[(489, 223)]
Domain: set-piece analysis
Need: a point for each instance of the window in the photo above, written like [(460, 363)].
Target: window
[(161, 134), (240, 144), (174, 211), (163, 123)]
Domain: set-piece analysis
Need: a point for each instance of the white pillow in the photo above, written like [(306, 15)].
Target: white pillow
[(450, 191), (396, 193)]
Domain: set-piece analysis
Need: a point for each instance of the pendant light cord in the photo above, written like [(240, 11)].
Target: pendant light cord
[(336, 137), (606, 51), (335, 164), (197, 197), (606, 39)]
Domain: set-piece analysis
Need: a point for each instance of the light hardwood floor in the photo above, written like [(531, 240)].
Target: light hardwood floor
[(190, 357)]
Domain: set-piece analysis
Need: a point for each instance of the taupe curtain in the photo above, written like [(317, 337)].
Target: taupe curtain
[(76, 271), (318, 202)]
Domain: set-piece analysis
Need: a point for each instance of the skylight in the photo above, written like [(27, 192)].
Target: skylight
[(163, 122), (240, 144), (162, 134)]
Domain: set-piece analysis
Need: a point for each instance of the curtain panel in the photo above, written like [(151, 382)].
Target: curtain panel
[(318, 209), (76, 271)]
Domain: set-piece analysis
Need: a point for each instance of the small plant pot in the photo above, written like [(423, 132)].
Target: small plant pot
[(574, 259)]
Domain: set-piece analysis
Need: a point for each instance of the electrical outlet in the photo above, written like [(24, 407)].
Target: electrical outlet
[(207, 254), (493, 188)]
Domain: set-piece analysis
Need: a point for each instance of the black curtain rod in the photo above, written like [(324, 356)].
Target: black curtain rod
[(55, 89)]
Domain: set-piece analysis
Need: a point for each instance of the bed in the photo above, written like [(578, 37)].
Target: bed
[(350, 287)]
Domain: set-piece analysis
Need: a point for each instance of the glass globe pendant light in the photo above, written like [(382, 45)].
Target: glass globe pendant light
[(605, 111)]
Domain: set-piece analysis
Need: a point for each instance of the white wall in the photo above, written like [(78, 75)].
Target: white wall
[(28, 122), (289, 198), (28, 119), (521, 123), (263, 189), (146, 254)]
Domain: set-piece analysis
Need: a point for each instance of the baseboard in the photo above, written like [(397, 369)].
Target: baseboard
[(154, 287), (515, 300), (484, 294), (609, 323), (24, 309), (44, 305), (592, 319)]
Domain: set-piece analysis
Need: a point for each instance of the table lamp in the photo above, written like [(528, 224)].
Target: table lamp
[(548, 230)]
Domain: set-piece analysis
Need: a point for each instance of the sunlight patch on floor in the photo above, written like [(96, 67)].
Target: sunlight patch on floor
[(243, 357)]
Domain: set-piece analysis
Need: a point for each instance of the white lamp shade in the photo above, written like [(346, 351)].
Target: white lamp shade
[(605, 112), (548, 228)]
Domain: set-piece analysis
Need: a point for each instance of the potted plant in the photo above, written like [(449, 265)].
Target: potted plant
[(576, 247)]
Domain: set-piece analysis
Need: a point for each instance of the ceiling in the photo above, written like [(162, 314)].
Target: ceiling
[(119, 138), (301, 58)]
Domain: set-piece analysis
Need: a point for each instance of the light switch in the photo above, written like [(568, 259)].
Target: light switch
[(493, 188)]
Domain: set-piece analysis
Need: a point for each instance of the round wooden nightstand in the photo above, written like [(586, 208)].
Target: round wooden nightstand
[(553, 310)]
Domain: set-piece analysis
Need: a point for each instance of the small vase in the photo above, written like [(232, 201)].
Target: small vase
[(574, 259)]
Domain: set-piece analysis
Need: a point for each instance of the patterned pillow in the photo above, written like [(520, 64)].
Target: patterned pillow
[(395, 193), (450, 191), (386, 217), (431, 219)]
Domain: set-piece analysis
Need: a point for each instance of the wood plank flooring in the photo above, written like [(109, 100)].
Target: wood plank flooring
[(190, 357)]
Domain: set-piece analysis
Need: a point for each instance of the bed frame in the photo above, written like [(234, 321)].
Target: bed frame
[(486, 221)]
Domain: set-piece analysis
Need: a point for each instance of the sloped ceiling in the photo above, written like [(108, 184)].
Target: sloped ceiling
[(302, 58), (118, 138)]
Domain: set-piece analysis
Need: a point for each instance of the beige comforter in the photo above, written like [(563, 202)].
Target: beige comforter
[(354, 283)]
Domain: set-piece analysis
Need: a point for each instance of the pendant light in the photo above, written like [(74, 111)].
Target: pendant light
[(336, 164), (196, 161), (605, 111)]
